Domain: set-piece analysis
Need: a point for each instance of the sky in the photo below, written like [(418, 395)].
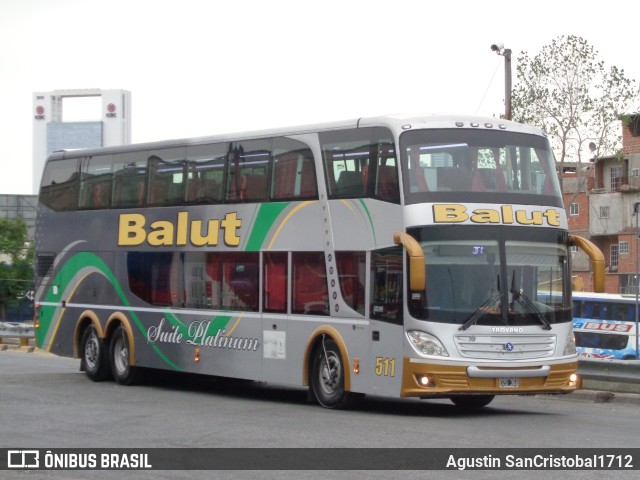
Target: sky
[(205, 67)]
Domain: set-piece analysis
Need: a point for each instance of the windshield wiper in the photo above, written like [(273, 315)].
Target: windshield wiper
[(489, 306), (529, 306)]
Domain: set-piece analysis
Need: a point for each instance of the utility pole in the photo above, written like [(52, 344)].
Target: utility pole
[(506, 53)]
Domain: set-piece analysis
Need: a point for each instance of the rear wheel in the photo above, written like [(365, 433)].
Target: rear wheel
[(327, 376), (119, 349), (94, 355), (472, 401)]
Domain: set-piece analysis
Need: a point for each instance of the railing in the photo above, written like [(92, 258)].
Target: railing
[(621, 184), (610, 375), (22, 331)]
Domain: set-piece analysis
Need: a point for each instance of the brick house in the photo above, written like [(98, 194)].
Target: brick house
[(601, 207)]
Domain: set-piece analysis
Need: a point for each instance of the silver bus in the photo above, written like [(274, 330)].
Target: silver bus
[(398, 256)]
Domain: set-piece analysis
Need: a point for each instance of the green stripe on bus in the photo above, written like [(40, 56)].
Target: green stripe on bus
[(373, 228), (267, 214), (85, 259)]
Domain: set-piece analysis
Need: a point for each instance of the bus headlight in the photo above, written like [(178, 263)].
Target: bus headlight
[(426, 344), (570, 345)]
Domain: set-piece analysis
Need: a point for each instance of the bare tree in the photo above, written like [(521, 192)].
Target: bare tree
[(570, 94)]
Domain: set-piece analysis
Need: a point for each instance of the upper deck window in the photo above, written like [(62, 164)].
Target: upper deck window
[(60, 183), (361, 162), (449, 160)]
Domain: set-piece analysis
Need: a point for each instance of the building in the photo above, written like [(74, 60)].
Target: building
[(51, 133), (603, 210), (577, 182)]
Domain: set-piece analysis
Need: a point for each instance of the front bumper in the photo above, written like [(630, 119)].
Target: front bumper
[(446, 380)]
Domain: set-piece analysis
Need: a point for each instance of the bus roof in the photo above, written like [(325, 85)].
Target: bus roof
[(397, 122), (604, 297)]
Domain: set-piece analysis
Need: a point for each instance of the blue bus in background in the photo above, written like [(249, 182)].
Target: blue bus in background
[(604, 325)]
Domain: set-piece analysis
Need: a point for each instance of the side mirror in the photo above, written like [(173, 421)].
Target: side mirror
[(417, 270), (597, 260)]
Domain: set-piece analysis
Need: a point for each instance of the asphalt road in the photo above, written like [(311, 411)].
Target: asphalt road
[(45, 402)]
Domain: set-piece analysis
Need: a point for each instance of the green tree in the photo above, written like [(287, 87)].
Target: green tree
[(16, 263), (570, 94)]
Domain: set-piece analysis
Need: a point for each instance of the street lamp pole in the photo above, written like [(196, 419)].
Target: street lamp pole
[(506, 53), (636, 213)]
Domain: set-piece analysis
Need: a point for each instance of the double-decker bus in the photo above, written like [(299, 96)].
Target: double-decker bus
[(396, 256), (605, 325)]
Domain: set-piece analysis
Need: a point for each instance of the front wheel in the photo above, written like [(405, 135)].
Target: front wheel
[(123, 372), (94, 355), (472, 401), (327, 376)]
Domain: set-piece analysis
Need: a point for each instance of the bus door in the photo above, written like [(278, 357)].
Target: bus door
[(386, 321)]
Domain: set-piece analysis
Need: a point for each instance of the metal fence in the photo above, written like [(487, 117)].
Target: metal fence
[(20, 330)]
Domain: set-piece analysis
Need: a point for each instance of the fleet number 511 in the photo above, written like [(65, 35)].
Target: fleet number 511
[(385, 367)]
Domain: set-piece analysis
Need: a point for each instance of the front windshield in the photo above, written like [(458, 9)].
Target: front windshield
[(494, 282), (484, 162)]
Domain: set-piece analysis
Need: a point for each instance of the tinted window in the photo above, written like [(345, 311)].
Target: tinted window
[(96, 183), (386, 284), (248, 166), (360, 163), (294, 172), (205, 173), (310, 290), (166, 177), (129, 179), (351, 275), (60, 185)]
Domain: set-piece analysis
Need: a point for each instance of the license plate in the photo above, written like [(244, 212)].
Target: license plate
[(509, 382)]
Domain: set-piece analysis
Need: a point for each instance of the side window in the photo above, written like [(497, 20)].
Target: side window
[(238, 279), (166, 177), (351, 275), (96, 182), (129, 179), (386, 285), (154, 277), (205, 173), (249, 163), (360, 163), (386, 174), (577, 308), (201, 283), (275, 282), (309, 277), (60, 185), (294, 172)]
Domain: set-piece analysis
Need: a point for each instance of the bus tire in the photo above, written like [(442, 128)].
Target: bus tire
[(327, 376), (472, 401), (94, 355), (119, 349)]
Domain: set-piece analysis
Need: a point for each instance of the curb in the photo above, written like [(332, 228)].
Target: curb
[(599, 396), (19, 348)]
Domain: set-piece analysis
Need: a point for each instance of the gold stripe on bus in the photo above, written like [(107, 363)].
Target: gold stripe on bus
[(234, 325), (349, 206), (334, 335), (91, 315), (286, 219)]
